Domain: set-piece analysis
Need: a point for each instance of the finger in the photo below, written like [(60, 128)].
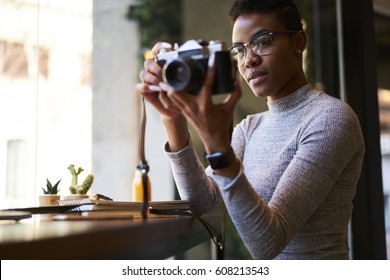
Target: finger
[(154, 88), (144, 90), (140, 88), (160, 46), (154, 98), (165, 87), (153, 67), (207, 87), (178, 100), (173, 95), (185, 101), (149, 78), (167, 103), (234, 97)]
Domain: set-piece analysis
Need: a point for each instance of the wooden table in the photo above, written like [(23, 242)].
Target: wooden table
[(152, 238)]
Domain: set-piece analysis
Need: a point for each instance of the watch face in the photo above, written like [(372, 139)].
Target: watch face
[(217, 160)]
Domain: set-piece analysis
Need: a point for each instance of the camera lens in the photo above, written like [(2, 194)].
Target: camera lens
[(185, 74)]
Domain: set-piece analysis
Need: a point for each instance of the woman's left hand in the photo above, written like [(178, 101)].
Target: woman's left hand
[(213, 122)]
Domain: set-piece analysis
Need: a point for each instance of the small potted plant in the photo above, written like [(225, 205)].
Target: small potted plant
[(79, 191), (50, 194)]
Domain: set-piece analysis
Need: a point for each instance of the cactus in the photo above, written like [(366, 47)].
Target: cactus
[(50, 189), (86, 185), (75, 174), (75, 188)]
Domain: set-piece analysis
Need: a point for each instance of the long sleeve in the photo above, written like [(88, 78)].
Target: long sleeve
[(190, 177)]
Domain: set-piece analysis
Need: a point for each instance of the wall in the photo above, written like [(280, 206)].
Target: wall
[(116, 108)]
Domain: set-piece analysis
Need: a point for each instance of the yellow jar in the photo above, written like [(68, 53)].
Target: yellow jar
[(137, 189)]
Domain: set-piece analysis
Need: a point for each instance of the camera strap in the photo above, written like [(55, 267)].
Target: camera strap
[(144, 167)]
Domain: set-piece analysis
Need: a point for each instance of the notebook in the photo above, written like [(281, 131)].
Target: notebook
[(88, 205)]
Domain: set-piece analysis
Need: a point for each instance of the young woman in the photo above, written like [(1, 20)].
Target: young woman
[(287, 175)]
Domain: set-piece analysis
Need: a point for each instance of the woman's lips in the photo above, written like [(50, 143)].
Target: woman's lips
[(256, 77)]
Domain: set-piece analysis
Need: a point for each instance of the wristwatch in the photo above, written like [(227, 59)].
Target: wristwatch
[(220, 160)]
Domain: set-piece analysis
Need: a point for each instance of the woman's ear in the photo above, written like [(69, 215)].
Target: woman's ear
[(300, 41)]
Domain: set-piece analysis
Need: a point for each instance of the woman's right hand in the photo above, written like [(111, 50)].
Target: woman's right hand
[(151, 77)]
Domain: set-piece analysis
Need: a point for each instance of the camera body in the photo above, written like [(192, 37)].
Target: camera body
[(185, 69)]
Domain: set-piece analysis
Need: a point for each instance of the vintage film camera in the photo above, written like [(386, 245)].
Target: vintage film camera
[(184, 69)]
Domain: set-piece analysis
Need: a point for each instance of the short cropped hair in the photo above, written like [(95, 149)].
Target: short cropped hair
[(286, 11)]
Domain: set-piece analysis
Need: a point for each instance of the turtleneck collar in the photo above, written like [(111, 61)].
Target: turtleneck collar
[(293, 101)]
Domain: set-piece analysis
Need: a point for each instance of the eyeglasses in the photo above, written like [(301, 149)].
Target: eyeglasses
[(261, 44)]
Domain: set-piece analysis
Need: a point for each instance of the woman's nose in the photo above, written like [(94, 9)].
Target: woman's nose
[(251, 58)]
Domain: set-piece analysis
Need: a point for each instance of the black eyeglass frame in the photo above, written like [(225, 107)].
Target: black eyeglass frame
[(254, 37)]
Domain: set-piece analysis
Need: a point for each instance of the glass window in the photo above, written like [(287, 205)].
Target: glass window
[(67, 79), (45, 95)]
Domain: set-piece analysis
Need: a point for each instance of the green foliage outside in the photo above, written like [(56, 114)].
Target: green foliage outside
[(158, 20)]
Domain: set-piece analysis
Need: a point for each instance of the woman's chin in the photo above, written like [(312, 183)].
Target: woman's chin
[(259, 93)]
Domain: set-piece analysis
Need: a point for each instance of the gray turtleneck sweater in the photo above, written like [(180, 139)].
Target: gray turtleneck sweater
[(301, 161)]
